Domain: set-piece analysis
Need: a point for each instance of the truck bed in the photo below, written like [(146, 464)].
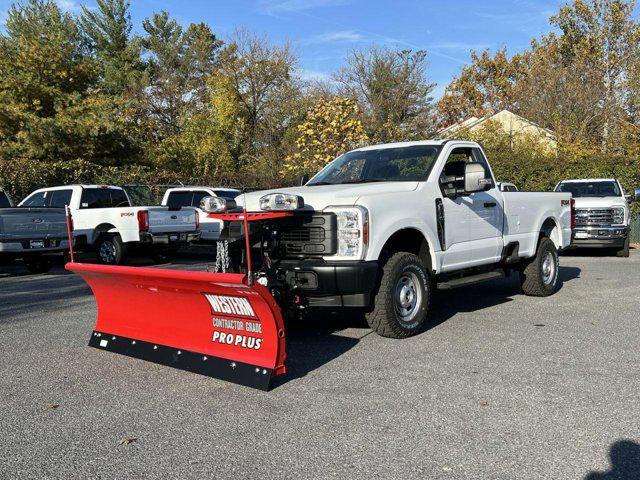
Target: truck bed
[(524, 213)]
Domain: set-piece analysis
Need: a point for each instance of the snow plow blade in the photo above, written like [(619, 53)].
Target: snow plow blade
[(214, 324)]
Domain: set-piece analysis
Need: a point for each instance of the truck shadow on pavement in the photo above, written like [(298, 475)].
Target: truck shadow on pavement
[(625, 462), (324, 337), (314, 342)]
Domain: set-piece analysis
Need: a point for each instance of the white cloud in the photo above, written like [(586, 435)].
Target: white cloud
[(68, 5), (459, 46), (342, 36), (273, 6), (313, 75)]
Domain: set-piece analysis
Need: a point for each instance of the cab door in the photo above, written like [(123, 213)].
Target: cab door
[(456, 212), (486, 216), (473, 222)]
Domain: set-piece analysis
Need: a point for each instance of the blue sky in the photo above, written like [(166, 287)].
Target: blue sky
[(322, 32)]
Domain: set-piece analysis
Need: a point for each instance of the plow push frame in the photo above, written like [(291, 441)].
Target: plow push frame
[(222, 325)]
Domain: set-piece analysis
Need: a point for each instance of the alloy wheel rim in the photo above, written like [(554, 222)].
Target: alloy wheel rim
[(107, 252)]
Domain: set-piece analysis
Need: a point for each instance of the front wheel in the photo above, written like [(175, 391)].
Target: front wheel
[(38, 265), (401, 303), (539, 275), (624, 251)]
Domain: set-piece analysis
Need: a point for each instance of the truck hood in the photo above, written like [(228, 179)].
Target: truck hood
[(322, 196), (600, 202)]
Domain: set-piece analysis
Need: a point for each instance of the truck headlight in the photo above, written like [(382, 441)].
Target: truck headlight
[(281, 201), (216, 204), (353, 232), (618, 215)]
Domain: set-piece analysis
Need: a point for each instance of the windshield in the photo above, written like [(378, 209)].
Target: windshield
[(590, 189), (406, 164)]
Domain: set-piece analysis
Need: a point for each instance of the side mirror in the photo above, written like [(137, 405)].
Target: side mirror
[(303, 179), (474, 178), (637, 195)]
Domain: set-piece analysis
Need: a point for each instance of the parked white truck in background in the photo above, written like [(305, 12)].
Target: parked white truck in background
[(381, 226), (603, 216), (191, 197), (105, 221)]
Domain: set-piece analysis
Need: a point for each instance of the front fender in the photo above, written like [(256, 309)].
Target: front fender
[(384, 232)]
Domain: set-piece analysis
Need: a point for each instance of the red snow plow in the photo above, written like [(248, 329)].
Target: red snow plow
[(223, 325)]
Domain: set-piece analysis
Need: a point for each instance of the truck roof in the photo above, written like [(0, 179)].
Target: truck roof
[(194, 187), (57, 187), (576, 180), (435, 143)]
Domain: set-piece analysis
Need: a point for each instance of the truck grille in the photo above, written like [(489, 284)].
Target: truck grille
[(594, 216), (313, 235), (297, 235)]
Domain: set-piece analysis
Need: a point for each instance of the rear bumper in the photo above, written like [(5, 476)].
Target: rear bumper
[(23, 247), (599, 237), (324, 284), (178, 238)]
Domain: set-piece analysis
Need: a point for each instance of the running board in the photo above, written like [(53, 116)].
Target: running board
[(471, 279)]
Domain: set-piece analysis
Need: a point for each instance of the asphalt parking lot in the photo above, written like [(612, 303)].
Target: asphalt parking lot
[(500, 386)]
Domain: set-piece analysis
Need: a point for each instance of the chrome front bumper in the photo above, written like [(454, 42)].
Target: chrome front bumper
[(599, 236)]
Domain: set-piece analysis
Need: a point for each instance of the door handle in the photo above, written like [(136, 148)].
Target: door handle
[(489, 204)]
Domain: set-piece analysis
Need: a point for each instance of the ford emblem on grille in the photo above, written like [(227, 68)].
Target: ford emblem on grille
[(37, 220), (174, 217)]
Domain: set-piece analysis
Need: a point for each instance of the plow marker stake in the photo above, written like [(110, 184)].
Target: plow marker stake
[(209, 323)]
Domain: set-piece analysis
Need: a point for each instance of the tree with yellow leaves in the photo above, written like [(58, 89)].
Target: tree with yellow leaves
[(331, 128)]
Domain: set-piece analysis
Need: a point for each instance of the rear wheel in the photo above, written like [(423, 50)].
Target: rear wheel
[(539, 275), (110, 250), (38, 264), (6, 259), (401, 303), (624, 251), (165, 256)]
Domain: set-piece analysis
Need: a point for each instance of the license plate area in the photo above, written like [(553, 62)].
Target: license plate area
[(36, 243)]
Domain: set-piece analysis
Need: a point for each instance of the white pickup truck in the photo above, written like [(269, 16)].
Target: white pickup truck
[(105, 221), (603, 217), (191, 197), (380, 227)]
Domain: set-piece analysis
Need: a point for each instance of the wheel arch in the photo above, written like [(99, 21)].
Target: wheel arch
[(410, 240), (101, 229), (550, 228)]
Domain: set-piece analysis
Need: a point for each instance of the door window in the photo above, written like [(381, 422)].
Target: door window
[(4, 200), (95, 198), (60, 198), (179, 199), (198, 196), (119, 198), (452, 175)]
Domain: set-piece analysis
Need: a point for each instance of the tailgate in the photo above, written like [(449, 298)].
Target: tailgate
[(23, 223), (163, 220)]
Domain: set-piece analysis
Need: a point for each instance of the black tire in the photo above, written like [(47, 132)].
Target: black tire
[(404, 279), (110, 250), (38, 265), (624, 251), (165, 256), (537, 277), (6, 259)]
